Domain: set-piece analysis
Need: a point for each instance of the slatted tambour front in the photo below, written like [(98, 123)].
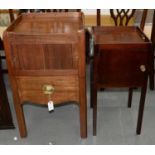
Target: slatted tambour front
[(47, 49)]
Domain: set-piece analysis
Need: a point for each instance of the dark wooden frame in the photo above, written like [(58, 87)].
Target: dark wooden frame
[(115, 17)]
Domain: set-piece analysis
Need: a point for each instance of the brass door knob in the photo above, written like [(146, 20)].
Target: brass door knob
[(48, 89), (142, 68)]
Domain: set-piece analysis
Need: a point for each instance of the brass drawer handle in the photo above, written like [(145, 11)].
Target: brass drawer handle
[(142, 68), (48, 89)]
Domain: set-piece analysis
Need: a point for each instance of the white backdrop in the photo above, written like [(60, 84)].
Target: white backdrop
[(93, 11)]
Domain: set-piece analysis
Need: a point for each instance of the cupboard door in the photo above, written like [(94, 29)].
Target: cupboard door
[(122, 68)]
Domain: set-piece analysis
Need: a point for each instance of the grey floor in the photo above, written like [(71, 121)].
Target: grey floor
[(116, 122)]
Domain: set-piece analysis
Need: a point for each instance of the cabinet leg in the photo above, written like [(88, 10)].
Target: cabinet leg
[(130, 97), (83, 122), (151, 80), (94, 110), (83, 109), (21, 121), (141, 110), (151, 72), (91, 83)]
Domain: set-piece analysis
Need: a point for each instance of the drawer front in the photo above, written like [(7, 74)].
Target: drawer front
[(122, 68), (66, 88)]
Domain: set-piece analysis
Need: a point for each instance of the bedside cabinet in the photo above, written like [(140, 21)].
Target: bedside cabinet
[(45, 54), (122, 57)]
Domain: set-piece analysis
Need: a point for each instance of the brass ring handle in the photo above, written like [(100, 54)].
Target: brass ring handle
[(48, 89), (142, 68)]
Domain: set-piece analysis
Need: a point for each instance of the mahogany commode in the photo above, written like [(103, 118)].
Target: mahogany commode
[(46, 61), (121, 59)]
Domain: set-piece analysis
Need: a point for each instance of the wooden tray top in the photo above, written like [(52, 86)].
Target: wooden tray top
[(120, 34), (43, 23)]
